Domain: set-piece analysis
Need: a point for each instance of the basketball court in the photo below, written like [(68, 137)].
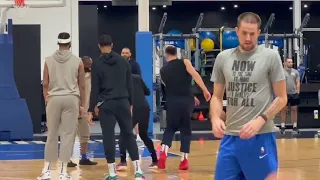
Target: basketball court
[(299, 157)]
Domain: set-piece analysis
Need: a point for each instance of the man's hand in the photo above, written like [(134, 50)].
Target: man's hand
[(81, 111), (218, 127), (196, 101), (90, 117), (251, 128), (131, 108), (96, 111), (207, 95)]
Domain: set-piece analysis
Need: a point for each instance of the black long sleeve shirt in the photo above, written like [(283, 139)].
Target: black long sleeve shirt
[(110, 79), (140, 91)]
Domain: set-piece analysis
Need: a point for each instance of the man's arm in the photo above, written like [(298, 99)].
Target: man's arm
[(216, 103), (277, 78), (195, 75), (95, 87), (298, 82), (81, 84), (45, 82), (129, 84)]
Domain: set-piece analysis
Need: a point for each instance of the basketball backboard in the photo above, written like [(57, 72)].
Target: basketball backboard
[(35, 3)]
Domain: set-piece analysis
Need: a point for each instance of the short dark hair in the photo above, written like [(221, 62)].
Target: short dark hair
[(64, 35), (85, 58), (249, 17), (171, 50), (105, 40)]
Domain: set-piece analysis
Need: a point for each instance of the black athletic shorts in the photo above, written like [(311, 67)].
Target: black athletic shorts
[(293, 100)]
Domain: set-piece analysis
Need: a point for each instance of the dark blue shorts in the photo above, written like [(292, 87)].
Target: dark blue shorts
[(247, 159)]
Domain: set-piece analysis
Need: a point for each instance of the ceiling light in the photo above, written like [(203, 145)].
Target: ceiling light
[(154, 8), (235, 6), (164, 6), (105, 6), (305, 6), (290, 8), (223, 8)]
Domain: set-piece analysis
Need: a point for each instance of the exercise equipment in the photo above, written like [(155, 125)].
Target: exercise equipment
[(207, 44), (206, 34)]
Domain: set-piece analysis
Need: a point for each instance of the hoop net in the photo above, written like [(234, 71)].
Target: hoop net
[(21, 7)]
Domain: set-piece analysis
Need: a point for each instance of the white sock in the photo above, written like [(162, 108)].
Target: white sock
[(165, 148), (294, 125), (283, 125), (137, 168), (112, 169), (46, 167), (184, 156), (63, 167)]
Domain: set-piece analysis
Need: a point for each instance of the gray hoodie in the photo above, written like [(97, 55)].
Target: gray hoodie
[(63, 69)]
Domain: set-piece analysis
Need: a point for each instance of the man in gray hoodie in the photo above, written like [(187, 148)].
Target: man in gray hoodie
[(64, 94)]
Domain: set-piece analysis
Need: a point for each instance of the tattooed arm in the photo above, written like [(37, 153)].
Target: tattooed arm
[(276, 75), (279, 102)]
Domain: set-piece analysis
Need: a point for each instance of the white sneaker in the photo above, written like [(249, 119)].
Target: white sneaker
[(45, 176), (64, 176)]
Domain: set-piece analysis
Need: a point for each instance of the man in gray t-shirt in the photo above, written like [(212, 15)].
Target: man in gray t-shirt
[(293, 90), (251, 76)]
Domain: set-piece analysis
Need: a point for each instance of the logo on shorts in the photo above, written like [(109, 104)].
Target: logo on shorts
[(262, 152)]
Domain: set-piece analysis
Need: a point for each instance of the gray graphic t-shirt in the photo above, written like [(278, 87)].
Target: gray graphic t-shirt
[(292, 76), (248, 78)]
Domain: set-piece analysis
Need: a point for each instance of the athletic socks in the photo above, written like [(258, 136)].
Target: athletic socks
[(84, 157), (112, 169), (137, 167), (46, 167), (184, 156), (294, 125), (165, 149), (283, 125)]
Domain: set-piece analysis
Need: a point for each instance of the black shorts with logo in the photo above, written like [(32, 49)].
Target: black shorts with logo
[(293, 100)]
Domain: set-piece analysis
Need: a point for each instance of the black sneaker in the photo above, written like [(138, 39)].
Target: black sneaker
[(282, 130), (87, 162), (295, 130), (71, 164)]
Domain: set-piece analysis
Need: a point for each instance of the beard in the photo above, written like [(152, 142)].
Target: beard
[(247, 47)]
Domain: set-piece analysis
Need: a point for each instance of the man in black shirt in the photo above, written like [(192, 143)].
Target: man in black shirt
[(141, 115), (112, 94), (177, 75)]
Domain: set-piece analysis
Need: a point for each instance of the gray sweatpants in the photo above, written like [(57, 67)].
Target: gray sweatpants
[(62, 117)]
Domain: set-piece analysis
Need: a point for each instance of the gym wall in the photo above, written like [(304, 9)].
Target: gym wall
[(61, 19), (122, 22)]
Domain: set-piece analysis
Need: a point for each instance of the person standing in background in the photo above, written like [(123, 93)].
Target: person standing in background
[(293, 90), (112, 94), (135, 69), (64, 94), (83, 127)]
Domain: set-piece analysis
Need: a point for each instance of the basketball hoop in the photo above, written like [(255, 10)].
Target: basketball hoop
[(21, 7)]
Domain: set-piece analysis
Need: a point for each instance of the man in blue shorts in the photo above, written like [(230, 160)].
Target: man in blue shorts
[(250, 74)]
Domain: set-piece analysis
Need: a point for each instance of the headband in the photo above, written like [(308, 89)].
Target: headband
[(64, 41)]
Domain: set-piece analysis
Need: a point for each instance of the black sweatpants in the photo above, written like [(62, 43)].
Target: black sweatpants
[(110, 112), (179, 111), (140, 116)]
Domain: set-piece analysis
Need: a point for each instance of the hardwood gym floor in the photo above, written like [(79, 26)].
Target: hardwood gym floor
[(299, 160)]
